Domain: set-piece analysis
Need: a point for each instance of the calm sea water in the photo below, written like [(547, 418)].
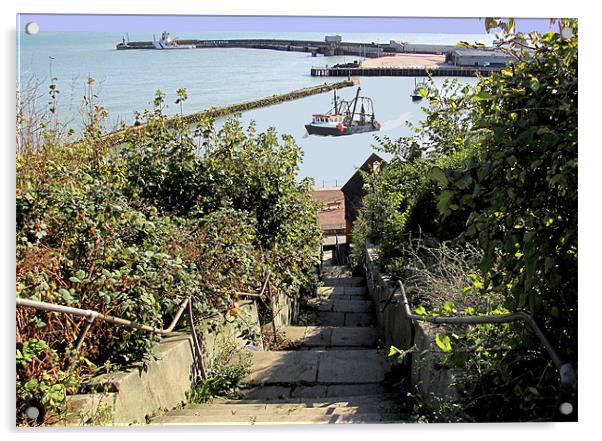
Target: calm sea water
[(127, 80)]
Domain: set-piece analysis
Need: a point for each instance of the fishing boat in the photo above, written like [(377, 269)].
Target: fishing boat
[(343, 119), (166, 42), (416, 95)]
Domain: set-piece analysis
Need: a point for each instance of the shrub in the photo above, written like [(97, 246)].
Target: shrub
[(495, 166), (132, 231)]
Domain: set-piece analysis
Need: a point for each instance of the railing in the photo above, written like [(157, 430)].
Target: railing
[(567, 373), (91, 316)]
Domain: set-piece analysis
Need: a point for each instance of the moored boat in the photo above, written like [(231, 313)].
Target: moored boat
[(416, 95), (343, 119), (166, 42)]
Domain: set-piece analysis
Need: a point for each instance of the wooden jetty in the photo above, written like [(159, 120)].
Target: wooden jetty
[(417, 71)]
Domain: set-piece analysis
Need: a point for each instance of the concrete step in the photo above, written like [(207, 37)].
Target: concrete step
[(331, 318), (332, 401), (284, 409), (335, 271), (341, 305), (262, 419), (317, 367), (359, 292), (344, 281), (314, 392), (326, 336)]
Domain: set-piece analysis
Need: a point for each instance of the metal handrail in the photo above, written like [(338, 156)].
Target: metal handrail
[(91, 316), (567, 373)]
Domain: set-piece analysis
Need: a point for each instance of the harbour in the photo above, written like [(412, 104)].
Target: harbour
[(269, 88), (455, 60)]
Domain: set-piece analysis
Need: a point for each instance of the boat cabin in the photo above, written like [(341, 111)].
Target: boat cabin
[(327, 119)]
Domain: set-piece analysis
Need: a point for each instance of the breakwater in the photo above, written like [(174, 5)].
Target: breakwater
[(418, 71), (119, 136), (368, 50)]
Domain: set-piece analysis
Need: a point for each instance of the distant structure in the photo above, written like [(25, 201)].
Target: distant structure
[(478, 57), (422, 48), (331, 218), (353, 191), (337, 39)]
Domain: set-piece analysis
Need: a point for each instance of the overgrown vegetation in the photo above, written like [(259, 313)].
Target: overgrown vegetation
[(132, 231), (224, 377), (492, 168)]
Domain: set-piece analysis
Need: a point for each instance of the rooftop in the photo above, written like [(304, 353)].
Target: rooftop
[(466, 52), (332, 215)]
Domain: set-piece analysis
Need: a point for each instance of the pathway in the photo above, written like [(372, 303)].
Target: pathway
[(335, 374)]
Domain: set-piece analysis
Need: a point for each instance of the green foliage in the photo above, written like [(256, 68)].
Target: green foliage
[(41, 383), (223, 378), (443, 341), (496, 169), (132, 231), (520, 184)]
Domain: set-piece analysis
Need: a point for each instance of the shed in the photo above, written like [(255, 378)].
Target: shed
[(479, 57)]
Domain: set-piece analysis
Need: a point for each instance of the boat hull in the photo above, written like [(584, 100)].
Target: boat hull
[(333, 131)]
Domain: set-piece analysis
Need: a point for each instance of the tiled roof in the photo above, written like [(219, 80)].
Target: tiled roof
[(332, 215)]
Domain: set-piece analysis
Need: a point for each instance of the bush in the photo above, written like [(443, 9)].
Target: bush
[(132, 231), (495, 167)]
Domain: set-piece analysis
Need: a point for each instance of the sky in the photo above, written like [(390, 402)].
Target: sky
[(240, 23)]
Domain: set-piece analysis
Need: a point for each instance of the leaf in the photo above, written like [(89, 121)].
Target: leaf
[(421, 310), (448, 307), (444, 202), (443, 341), (437, 174), (393, 351), (484, 96), (66, 295)]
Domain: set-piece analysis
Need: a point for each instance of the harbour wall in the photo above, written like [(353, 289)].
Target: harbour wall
[(368, 50)]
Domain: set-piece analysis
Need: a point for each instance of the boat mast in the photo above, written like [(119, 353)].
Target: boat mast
[(355, 104), (336, 110)]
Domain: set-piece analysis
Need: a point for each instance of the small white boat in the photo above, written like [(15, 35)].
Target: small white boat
[(166, 42), (416, 95)]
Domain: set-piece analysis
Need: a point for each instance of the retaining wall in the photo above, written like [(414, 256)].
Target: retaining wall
[(427, 371), (134, 394)]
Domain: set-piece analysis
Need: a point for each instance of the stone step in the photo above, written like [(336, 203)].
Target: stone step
[(335, 271), (317, 367), (335, 400), (341, 305), (314, 392), (343, 291), (327, 336), (284, 409), (366, 418), (344, 281), (330, 318)]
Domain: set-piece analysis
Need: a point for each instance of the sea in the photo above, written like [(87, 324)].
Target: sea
[(126, 81)]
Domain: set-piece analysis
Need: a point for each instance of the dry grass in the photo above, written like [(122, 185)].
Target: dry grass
[(434, 274)]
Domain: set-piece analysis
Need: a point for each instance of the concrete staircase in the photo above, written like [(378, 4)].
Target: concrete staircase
[(335, 375)]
